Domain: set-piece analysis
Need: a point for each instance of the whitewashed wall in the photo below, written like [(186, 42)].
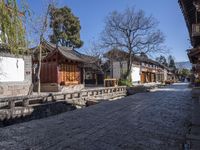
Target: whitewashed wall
[(135, 71), (135, 74), (11, 69)]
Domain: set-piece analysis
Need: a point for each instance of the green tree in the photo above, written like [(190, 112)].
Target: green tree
[(66, 27), (12, 31), (185, 72), (171, 62)]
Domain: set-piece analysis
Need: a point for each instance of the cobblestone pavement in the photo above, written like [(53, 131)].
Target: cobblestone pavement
[(155, 120)]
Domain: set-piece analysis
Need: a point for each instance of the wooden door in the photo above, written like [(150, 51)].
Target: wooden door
[(143, 77), (48, 72), (69, 74)]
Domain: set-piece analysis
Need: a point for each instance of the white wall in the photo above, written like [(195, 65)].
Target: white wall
[(11, 69), (135, 74)]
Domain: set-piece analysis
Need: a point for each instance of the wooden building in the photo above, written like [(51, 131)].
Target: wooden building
[(191, 12), (144, 69), (148, 69), (63, 67), (92, 70)]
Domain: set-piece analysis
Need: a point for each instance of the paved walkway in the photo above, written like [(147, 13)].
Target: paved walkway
[(156, 120)]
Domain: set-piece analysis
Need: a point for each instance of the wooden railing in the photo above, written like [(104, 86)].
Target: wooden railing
[(74, 97)]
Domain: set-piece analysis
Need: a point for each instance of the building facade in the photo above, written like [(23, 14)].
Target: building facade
[(144, 70), (64, 67), (191, 13)]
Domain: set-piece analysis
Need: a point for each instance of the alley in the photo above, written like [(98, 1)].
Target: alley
[(154, 120)]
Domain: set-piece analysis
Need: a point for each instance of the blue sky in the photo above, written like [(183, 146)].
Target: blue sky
[(92, 14)]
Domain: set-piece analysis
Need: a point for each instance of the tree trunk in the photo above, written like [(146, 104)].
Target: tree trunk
[(129, 66), (39, 69)]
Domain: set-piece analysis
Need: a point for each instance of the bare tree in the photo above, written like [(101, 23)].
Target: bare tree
[(132, 32), (39, 30), (96, 57), (44, 27), (100, 58)]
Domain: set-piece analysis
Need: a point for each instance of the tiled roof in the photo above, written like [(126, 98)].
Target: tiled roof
[(70, 54), (67, 52), (124, 55)]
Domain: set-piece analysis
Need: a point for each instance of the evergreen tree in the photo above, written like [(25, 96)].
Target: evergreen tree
[(162, 60), (66, 27), (171, 62)]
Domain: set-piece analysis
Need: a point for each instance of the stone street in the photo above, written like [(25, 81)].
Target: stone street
[(154, 120)]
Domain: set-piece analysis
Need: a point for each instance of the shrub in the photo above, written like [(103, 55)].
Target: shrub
[(125, 82)]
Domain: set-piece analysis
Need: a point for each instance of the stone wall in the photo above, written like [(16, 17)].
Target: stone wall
[(10, 89), (53, 87)]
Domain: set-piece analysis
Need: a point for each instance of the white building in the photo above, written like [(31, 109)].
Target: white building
[(144, 70)]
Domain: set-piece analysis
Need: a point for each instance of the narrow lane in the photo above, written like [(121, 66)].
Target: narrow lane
[(155, 120)]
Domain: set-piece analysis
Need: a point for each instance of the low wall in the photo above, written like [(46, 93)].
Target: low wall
[(18, 75), (14, 89), (33, 112), (54, 87)]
